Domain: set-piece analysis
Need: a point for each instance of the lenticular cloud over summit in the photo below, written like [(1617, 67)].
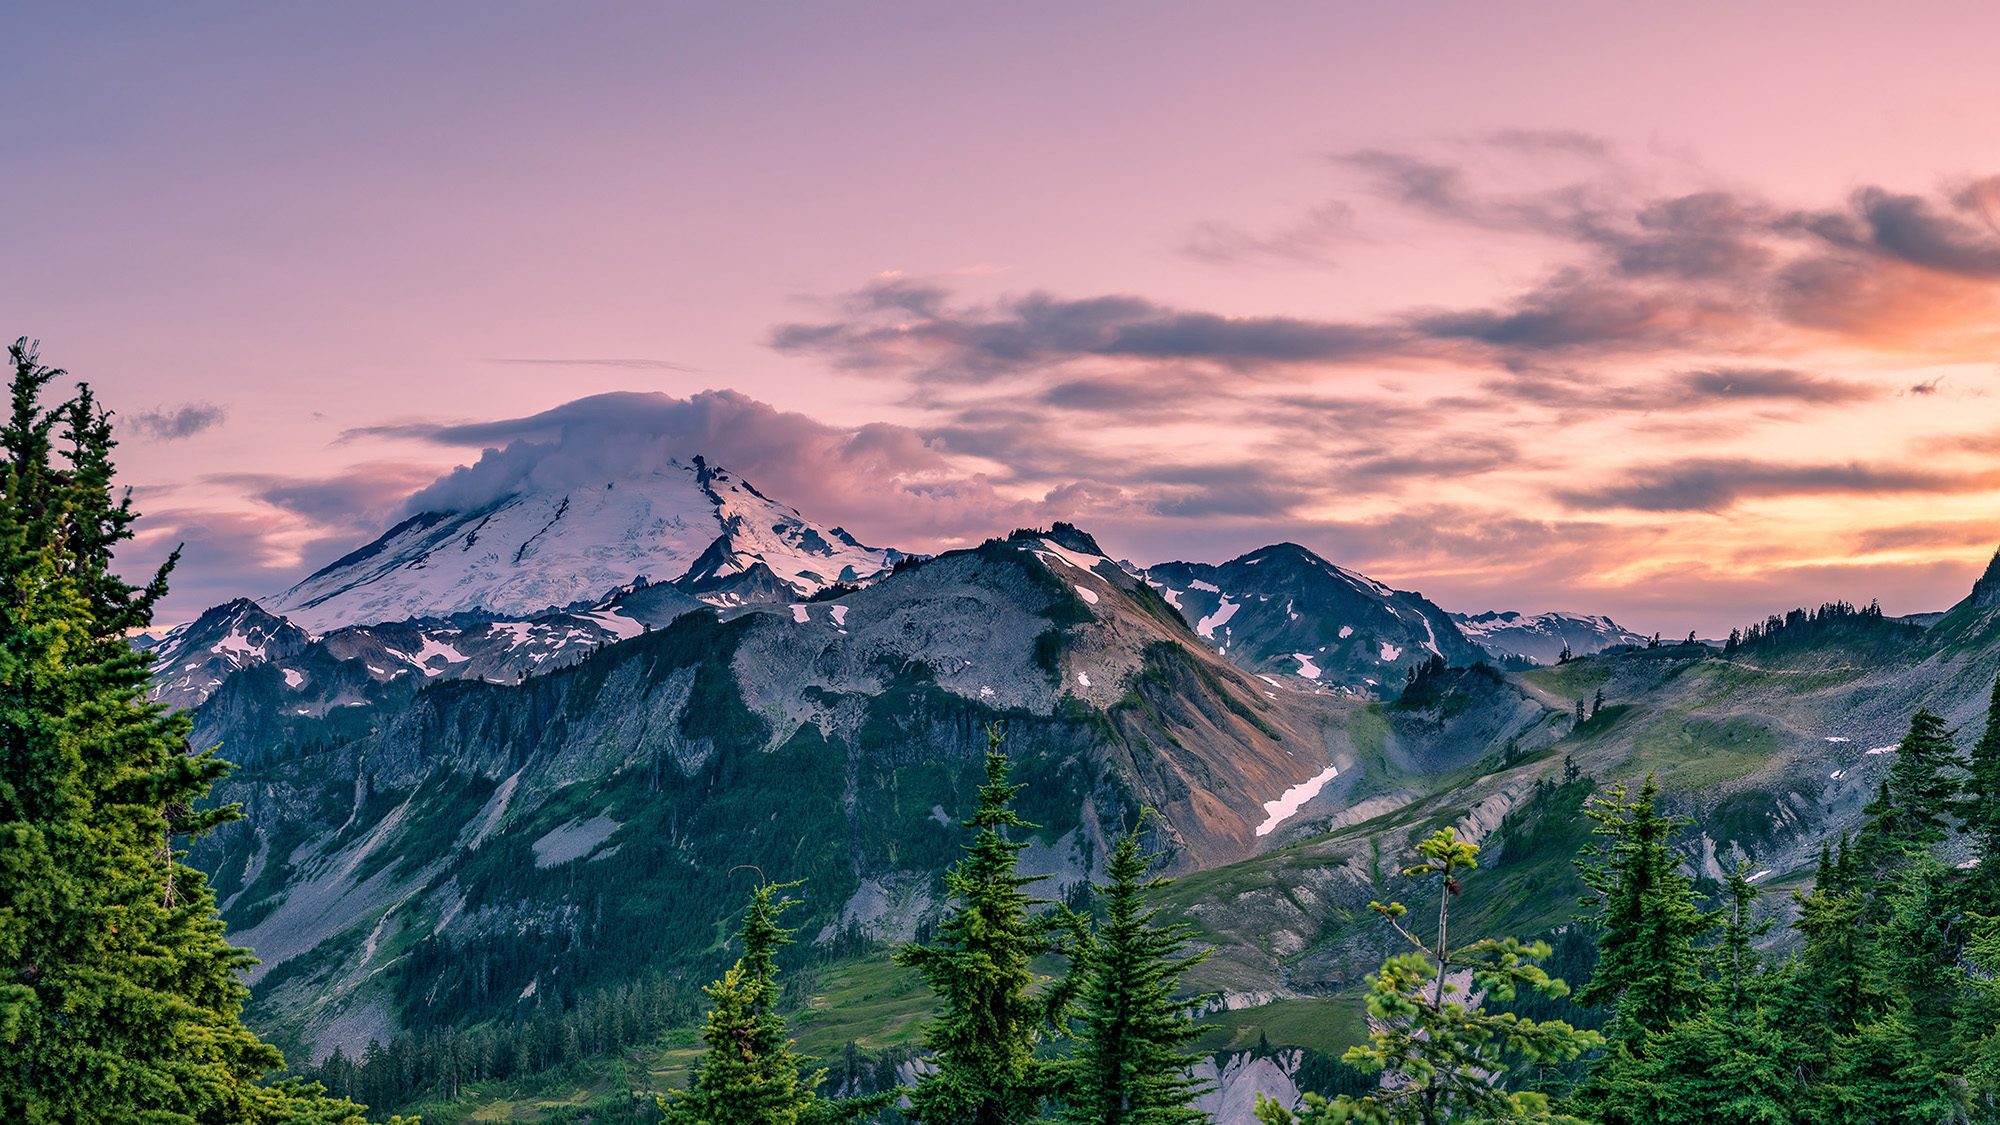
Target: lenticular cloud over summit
[(883, 477)]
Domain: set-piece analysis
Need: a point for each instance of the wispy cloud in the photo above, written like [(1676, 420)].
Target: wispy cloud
[(171, 423)]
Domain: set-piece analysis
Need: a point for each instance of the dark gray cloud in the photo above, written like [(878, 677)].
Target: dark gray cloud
[(1948, 534), (1716, 484), (171, 423), (1776, 384), (1912, 229), (1677, 277), (913, 329)]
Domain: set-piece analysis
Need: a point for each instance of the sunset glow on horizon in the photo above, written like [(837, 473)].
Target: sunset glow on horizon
[(1682, 316)]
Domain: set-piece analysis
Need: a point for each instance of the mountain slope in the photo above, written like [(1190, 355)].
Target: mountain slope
[(544, 549), (1282, 611), (527, 833)]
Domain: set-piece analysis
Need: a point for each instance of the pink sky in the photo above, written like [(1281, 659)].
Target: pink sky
[(1684, 314)]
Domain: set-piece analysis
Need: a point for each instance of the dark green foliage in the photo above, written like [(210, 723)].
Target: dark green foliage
[(1642, 904), (1981, 807), (1442, 1052), (986, 1071), (1832, 623), (1131, 1063), (1916, 797), (441, 1062), (1433, 684), (1049, 645), (750, 1075), (833, 592), (119, 998)]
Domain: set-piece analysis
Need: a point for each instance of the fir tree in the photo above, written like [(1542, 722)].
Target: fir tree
[(1737, 960), (1441, 1057), (1131, 1065), (1915, 798), (986, 1072), (1643, 905), (1981, 808), (749, 1074), (119, 998)]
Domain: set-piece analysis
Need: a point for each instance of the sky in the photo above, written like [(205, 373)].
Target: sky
[(1683, 314)]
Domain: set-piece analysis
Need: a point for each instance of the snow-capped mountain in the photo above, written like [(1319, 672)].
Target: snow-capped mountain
[(1282, 611), (1541, 637), (195, 660), (192, 659), (709, 532)]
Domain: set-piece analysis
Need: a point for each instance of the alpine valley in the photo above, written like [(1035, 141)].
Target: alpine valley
[(502, 770)]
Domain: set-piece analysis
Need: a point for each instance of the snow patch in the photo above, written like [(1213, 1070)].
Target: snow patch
[(236, 644), (1294, 799), (432, 649), (1346, 631), (1835, 738), (1307, 668), (799, 614), (1083, 678), (839, 613), (622, 626), (294, 679), (1198, 584), (1390, 652), (1086, 594), (1883, 750), (1759, 875), (1208, 625)]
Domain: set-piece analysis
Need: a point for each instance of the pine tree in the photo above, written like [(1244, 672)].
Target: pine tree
[(1131, 1065), (1441, 1057), (749, 1074), (119, 998), (986, 1072)]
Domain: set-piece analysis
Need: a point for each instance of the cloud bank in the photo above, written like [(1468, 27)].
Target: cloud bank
[(1700, 396)]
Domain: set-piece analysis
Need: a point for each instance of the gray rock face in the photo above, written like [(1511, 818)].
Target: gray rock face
[(835, 740)]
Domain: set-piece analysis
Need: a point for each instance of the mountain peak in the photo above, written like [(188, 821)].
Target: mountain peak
[(547, 547), (1986, 591)]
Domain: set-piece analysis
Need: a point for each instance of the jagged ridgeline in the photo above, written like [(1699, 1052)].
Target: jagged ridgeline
[(466, 829), (482, 850)]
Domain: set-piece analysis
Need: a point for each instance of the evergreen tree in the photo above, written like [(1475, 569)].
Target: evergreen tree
[(119, 998), (1706, 1070), (1441, 1057), (1981, 1020), (1921, 788), (1981, 809), (1131, 1065), (986, 1072), (749, 1074), (1643, 905), (1737, 960)]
